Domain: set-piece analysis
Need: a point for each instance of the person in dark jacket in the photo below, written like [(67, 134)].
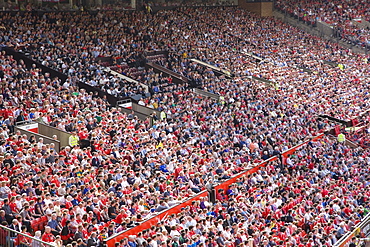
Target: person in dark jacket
[(66, 233), (93, 241)]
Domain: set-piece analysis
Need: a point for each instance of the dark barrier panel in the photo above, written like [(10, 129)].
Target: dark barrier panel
[(47, 139), (53, 73), (28, 61), (334, 119), (47, 130), (104, 60)]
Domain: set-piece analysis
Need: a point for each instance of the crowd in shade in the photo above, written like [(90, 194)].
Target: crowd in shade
[(122, 170), (348, 17)]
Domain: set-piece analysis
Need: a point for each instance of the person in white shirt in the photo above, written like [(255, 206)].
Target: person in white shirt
[(153, 242), (18, 202), (174, 232), (50, 209)]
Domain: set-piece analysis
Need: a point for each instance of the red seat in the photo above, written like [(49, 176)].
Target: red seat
[(35, 224)]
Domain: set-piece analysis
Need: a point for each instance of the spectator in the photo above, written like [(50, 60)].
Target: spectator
[(48, 236)]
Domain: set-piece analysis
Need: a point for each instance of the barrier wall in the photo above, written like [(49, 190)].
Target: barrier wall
[(232, 180), (144, 110), (154, 220), (62, 136), (29, 126), (47, 139), (141, 116), (325, 28), (293, 149)]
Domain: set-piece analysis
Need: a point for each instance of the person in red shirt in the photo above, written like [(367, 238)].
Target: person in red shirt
[(48, 236), (23, 241), (120, 217)]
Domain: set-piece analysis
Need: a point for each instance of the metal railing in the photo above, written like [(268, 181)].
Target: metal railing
[(179, 77), (214, 68), (129, 79), (12, 238), (27, 121), (362, 229)]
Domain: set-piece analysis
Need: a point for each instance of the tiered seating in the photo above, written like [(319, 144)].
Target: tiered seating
[(337, 13), (130, 172)]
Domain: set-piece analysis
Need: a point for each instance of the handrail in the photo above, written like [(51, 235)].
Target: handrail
[(223, 71), (154, 219), (24, 122), (170, 72), (273, 62), (364, 225), (109, 70), (28, 236)]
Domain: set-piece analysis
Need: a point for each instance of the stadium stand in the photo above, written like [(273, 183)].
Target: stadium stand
[(350, 18), (119, 171)]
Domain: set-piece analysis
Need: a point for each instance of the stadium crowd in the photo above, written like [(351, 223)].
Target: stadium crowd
[(343, 15), (130, 171)]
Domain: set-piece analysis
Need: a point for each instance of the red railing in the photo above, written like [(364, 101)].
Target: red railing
[(154, 220), (176, 209)]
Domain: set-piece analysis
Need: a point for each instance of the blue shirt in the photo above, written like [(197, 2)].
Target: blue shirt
[(53, 224)]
